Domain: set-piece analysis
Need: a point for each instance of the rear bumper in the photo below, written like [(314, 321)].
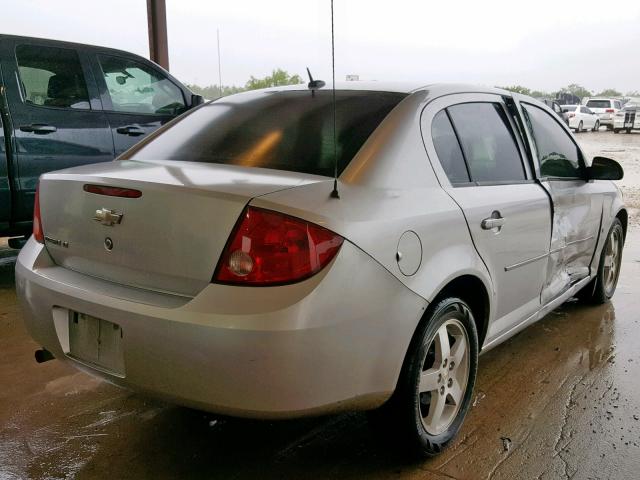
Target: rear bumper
[(606, 119), (333, 342)]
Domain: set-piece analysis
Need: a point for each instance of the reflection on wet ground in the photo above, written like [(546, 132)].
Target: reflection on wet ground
[(559, 400)]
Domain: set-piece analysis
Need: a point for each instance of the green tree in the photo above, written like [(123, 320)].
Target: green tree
[(542, 94), (277, 78), (517, 89), (633, 93), (577, 90), (211, 92), (610, 92)]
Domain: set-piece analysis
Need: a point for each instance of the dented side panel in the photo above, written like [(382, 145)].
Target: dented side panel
[(577, 214)]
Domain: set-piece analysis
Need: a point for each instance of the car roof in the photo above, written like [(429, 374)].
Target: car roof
[(435, 89)]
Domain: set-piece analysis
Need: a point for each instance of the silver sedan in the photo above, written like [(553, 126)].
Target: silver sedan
[(217, 264)]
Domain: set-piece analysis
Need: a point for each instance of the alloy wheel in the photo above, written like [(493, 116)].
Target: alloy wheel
[(444, 376), (612, 258)]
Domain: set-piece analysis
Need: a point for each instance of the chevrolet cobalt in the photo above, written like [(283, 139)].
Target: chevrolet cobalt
[(217, 265)]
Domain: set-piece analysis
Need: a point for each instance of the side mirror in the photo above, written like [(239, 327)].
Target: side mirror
[(603, 168), (196, 100)]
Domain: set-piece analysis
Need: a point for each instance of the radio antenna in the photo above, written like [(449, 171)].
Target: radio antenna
[(334, 192)]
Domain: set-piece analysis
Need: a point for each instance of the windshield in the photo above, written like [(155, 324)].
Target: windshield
[(599, 104), (285, 130)]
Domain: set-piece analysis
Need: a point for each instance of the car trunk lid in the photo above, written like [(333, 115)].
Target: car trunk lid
[(168, 239)]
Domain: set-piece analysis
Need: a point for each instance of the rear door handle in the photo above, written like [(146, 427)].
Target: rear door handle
[(130, 130), (494, 221), (38, 128)]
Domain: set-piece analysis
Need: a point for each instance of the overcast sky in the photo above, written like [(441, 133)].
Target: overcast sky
[(543, 44)]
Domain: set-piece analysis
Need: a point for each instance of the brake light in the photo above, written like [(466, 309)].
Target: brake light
[(609, 110), (112, 191), (270, 248), (38, 234)]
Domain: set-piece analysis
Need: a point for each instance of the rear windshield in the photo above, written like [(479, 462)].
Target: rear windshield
[(568, 108), (599, 104), (285, 130)]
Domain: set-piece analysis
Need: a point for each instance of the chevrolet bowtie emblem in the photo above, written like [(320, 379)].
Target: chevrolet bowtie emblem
[(108, 217)]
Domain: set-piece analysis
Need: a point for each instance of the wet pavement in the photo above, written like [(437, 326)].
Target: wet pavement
[(559, 400)]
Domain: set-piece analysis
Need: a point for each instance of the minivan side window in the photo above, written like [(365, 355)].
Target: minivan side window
[(448, 149), (51, 77), (488, 143), (558, 155), (137, 88)]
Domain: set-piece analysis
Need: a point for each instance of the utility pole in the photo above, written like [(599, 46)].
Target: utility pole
[(157, 25)]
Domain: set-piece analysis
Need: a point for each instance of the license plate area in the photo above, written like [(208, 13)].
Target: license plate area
[(96, 342)]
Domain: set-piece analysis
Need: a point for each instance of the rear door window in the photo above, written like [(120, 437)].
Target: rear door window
[(448, 149), (488, 142), (284, 130), (51, 77), (558, 155), (137, 88)]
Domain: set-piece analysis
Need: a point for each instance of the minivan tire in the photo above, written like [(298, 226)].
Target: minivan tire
[(406, 415)]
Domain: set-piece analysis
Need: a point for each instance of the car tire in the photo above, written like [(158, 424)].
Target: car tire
[(609, 127), (428, 367), (616, 130), (596, 127), (603, 286), (628, 130)]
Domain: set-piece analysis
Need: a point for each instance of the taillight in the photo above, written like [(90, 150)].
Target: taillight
[(609, 110), (38, 234), (270, 248)]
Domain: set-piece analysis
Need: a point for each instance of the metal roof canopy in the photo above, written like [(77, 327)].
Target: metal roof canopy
[(157, 22)]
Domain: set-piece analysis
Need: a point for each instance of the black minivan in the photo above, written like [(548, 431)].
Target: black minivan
[(66, 104)]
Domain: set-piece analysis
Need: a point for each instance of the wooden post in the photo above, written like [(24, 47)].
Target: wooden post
[(157, 23)]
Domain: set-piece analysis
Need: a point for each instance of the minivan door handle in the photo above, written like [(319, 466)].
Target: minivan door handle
[(130, 130), (494, 221), (38, 128)]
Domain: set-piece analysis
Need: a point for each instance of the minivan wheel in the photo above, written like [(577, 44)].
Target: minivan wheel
[(436, 384), (579, 129), (601, 289), (596, 127)]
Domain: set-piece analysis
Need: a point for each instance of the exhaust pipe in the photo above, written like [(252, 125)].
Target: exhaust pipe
[(43, 355)]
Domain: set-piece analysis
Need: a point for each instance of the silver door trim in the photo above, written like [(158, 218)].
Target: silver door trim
[(580, 241), (531, 260), (544, 255)]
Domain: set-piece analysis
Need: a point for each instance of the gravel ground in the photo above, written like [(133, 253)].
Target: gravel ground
[(624, 148)]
